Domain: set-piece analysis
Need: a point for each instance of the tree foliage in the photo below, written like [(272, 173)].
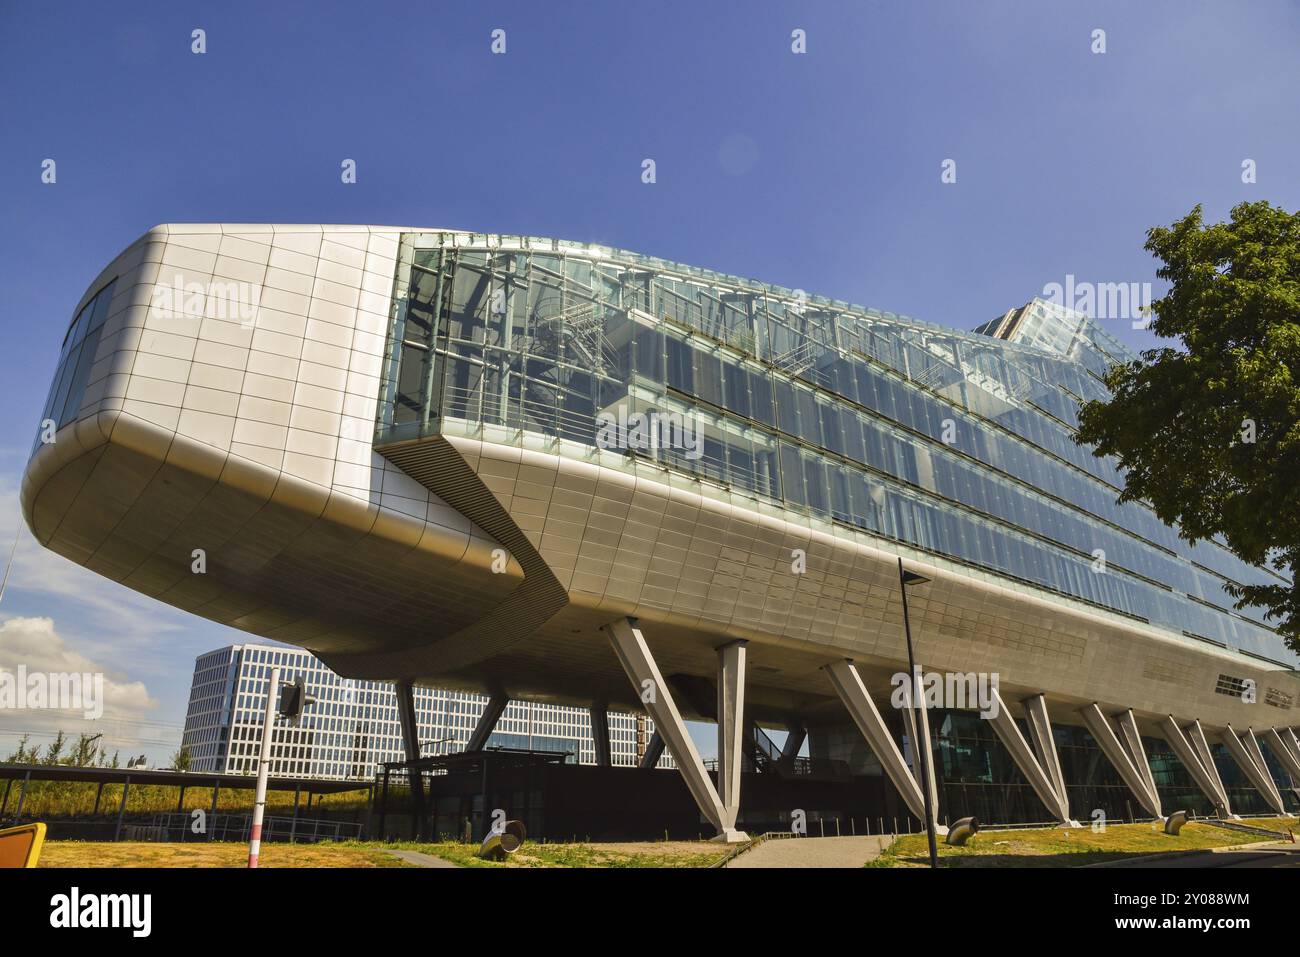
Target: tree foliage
[(181, 759), (1208, 430)]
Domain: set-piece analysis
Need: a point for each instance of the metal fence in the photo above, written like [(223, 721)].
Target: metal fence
[(173, 826)]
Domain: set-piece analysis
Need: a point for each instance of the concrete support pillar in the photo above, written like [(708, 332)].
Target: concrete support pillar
[(922, 749), (410, 728), (1289, 741), (1041, 769), (634, 655), (1207, 779), (1284, 745), (487, 722), (406, 720), (1202, 746), (1040, 731), (1251, 742), (1138, 752), (731, 725), (653, 750), (1126, 764), (848, 685), (600, 735), (1245, 751), (796, 735)]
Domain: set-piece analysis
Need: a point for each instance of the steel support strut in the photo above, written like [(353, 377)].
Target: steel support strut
[(1132, 767), (634, 655), (731, 727), (1206, 777), (487, 722), (600, 734), (1284, 745), (853, 693), (1245, 751), (1040, 766), (410, 728)]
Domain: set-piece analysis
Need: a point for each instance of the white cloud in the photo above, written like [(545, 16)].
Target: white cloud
[(35, 644), (125, 621)]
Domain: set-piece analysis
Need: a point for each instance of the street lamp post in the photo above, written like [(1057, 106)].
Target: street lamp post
[(922, 745)]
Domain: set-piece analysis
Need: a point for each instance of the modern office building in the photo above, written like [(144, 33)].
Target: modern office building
[(571, 474), (353, 726)]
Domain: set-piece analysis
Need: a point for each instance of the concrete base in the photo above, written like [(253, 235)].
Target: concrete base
[(730, 836)]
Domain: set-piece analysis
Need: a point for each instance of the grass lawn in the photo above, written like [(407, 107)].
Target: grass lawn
[(533, 854), (1069, 847), (354, 854), (211, 854)]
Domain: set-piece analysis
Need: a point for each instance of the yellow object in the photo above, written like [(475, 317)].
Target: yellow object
[(21, 846)]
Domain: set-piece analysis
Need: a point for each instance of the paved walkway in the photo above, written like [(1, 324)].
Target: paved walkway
[(814, 852), (421, 860)]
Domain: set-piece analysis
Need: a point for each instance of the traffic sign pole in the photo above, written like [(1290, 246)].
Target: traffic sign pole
[(264, 768)]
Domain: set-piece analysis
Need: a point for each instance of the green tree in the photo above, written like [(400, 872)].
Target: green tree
[(1208, 430), (24, 754), (181, 759), (83, 752), (54, 750)]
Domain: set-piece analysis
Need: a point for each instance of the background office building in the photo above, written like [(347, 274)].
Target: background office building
[(353, 726)]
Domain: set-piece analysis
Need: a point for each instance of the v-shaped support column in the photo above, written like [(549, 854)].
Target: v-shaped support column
[(1207, 778), (1138, 752), (487, 722), (731, 728), (920, 741), (1130, 761), (1284, 744), (1245, 751), (1041, 767), (794, 739), (634, 655), (848, 685), (600, 734)]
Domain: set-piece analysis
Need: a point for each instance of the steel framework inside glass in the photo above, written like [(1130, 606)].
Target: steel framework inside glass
[(955, 443)]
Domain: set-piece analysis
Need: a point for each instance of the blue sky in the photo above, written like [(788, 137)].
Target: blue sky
[(818, 171)]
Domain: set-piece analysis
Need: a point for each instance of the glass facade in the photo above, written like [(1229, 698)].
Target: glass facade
[(976, 775), (75, 359), (958, 444)]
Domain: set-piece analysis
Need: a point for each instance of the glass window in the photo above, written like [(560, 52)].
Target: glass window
[(792, 474), (681, 373), (760, 387), (650, 354), (787, 412), (102, 301), (76, 386), (809, 418), (708, 378), (814, 472), (832, 433), (410, 394), (738, 389)]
